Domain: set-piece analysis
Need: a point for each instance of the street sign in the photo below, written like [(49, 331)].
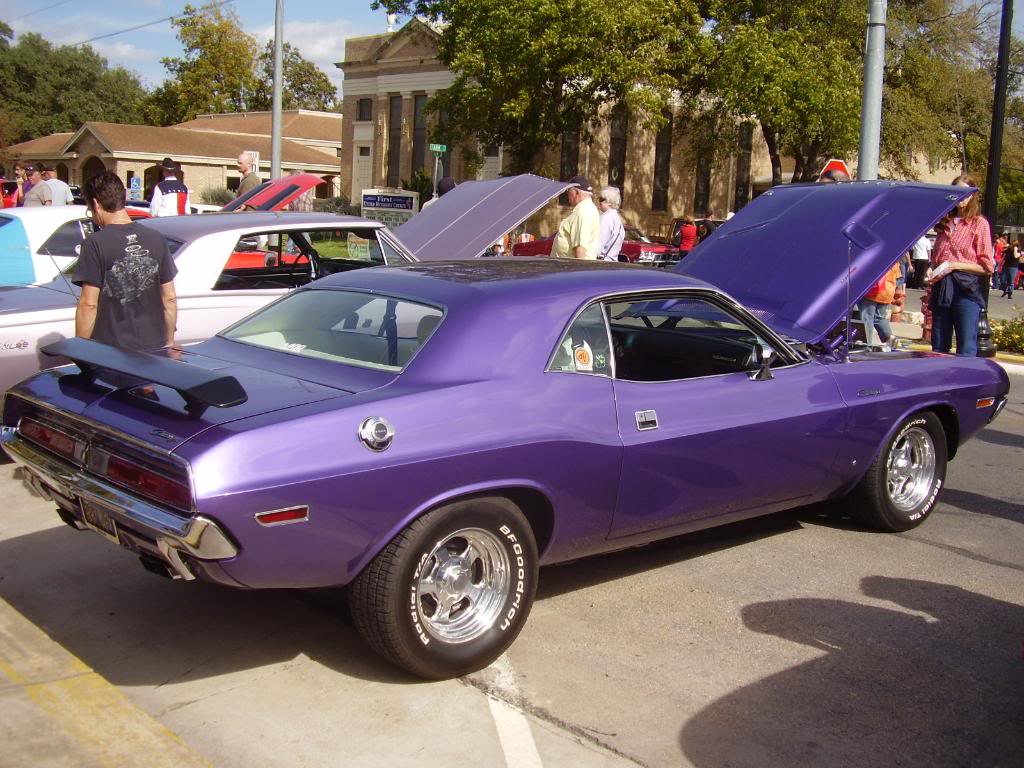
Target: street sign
[(135, 188), (439, 148), (835, 165)]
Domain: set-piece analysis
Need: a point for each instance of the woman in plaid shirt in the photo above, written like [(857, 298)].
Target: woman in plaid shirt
[(961, 259)]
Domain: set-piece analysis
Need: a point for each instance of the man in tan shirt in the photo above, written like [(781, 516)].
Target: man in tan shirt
[(579, 234)]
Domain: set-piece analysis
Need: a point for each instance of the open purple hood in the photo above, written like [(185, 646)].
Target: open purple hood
[(787, 254), (467, 220)]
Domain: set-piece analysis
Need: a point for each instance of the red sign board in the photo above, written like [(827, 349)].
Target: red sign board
[(835, 165)]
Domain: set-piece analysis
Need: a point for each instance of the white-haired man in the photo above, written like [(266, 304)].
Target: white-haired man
[(613, 233), (580, 231)]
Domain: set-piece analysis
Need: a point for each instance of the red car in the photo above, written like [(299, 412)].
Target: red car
[(637, 248)]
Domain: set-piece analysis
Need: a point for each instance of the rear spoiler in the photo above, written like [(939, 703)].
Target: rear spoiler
[(199, 387)]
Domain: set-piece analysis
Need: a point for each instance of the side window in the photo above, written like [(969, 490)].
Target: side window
[(584, 347), (65, 239), (346, 245), (679, 338), (266, 260)]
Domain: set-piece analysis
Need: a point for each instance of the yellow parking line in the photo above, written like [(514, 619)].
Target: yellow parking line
[(99, 719)]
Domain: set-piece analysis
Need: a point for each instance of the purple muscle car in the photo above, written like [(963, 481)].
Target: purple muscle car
[(460, 424)]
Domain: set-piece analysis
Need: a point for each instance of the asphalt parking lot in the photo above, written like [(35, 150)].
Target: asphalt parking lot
[(796, 640)]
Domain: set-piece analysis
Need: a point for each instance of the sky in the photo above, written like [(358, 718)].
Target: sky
[(317, 28)]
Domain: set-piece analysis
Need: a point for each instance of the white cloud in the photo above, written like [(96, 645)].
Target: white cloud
[(321, 42)]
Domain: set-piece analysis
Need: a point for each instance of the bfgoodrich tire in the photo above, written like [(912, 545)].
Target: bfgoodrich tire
[(902, 486), (450, 592)]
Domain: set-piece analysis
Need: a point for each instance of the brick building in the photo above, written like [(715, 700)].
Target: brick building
[(206, 147), (385, 134)]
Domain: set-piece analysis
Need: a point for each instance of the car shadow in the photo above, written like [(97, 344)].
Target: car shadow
[(137, 628), (1000, 438), (559, 579), (932, 678)]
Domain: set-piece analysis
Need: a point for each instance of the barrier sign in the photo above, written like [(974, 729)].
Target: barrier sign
[(391, 207)]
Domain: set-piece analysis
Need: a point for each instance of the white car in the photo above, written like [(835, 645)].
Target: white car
[(229, 265), (38, 242)]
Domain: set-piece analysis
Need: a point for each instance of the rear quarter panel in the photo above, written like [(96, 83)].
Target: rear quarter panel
[(552, 434)]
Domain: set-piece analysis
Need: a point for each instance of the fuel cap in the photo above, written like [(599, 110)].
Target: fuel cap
[(376, 433)]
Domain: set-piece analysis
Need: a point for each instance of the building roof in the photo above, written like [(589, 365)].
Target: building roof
[(295, 124), (180, 143), (44, 145)]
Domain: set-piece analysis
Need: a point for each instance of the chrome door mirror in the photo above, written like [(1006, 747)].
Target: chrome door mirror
[(764, 356)]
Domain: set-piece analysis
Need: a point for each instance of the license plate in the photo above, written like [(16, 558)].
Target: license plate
[(97, 518)]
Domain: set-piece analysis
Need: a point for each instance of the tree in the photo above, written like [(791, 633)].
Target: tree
[(305, 85), (46, 90), (527, 72), (216, 74)]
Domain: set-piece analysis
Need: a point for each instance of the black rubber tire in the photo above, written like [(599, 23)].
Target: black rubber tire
[(870, 501), (380, 595)]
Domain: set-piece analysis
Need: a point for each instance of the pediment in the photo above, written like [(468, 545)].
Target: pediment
[(415, 40)]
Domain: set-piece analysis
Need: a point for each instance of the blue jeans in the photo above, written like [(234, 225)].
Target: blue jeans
[(960, 318), (1009, 278), (876, 318)]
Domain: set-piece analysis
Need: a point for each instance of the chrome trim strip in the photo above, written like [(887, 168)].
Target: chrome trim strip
[(198, 536)]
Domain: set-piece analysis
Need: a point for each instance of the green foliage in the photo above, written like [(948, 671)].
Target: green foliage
[(305, 86), (338, 205), (528, 71), (1008, 335), (216, 196), (216, 74), (44, 89), (421, 182)]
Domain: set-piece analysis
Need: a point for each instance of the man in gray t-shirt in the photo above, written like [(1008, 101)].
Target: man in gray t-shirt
[(126, 274), (40, 193)]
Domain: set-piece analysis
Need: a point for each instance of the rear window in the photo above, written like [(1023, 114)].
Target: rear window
[(362, 329)]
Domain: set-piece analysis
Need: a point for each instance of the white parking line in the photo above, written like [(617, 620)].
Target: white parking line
[(513, 728)]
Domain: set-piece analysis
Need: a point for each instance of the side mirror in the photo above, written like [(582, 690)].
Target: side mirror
[(764, 371)]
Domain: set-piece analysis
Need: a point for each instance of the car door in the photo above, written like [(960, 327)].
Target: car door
[(703, 437)]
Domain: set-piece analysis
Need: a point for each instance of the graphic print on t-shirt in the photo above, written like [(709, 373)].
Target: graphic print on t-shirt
[(131, 276)]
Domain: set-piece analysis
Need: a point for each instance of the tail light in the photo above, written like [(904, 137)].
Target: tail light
[(49, 437), (141, 479)]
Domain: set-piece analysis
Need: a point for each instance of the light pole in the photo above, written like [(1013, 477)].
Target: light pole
[(871, 101), (275, 114), (995, 150)]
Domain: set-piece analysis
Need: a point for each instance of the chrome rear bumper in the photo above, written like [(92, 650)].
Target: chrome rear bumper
[(196, 536)]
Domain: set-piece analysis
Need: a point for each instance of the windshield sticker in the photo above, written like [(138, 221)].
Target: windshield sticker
[(295, 347)]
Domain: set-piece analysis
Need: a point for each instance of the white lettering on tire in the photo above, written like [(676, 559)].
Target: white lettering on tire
[(517, 549)]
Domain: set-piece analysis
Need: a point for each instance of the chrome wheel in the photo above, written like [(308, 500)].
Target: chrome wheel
[(463, 585), (910, 470)]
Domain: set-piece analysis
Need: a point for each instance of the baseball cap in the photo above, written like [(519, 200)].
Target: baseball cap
[(582, 183)]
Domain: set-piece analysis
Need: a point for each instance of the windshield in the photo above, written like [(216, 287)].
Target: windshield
[(362, 329)]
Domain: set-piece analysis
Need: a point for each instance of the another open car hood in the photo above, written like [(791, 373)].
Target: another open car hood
[(274, 195), (470, 218), (800, 255)]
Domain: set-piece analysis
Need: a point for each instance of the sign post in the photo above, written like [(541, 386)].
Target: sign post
[(438, 150)]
